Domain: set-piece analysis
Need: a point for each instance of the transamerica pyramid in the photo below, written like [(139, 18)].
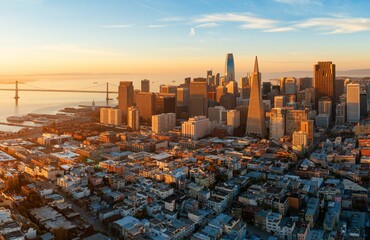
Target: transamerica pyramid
[(256, 114)]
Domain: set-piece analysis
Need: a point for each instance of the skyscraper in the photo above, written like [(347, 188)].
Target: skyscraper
[(229, 68), (198, 99), (133, 118), (163, 122), (293, 119), (165, 103), (145, 102), (307, 127), (277, 123), (324, 81), (125, 97), (233, 118), (196, 127), (353, 102), (256, 115), (145, 85)]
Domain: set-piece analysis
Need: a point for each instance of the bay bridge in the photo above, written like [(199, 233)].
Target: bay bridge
[(40, 89)]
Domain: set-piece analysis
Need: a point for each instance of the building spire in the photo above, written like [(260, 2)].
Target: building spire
[(256, 69)]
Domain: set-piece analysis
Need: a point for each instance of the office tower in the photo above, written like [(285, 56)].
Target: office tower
[(279, 101), (288, 85), (308, 127), (277, 123), (300, 140), (228, 101), (324, 81), (215, 114), (125, 97), (220, 91), (163, 122), (309, 96), (304, 83), (198, 99), (229, 68), (325, 107), (245, 92), (210, 78), (145, 85), (266, 88), (110, 116), (363, 104), (133, 118), (339, 88), (233, 118), (136, 92), (200, 79), (183, 95), (168, 89), (165, 103), (217, 79), (256, 115), (187, 81), (232, 87), (340, 113), (196, 127), (293, 119), (145, 102), (345, 83), (243, 81), (243, 109), (353, 102)]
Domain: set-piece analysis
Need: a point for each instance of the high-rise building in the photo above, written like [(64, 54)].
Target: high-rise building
[(215, 114), (220, 91), (198, 99), (217, 79), (110, 116), (168, 89), (266, 88), (165, 103), (163, 122), (368, 95), (145, 102), (125, 97), (340, 113), (308, 127), (183, 95), (256, 115), (293, 119), (133, 118), (324, 81), (145, 85), (243, 81), (229, 68), (228, 101), (325, 107), (243, 109), (300, 140), (233, 118), (279, 101), (277, 123), (196, 127), (353, 102), (304, 83), (363, 104), (288, 85), (232, 87)]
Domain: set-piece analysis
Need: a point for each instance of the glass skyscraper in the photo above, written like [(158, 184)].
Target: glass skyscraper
[(229, 68)]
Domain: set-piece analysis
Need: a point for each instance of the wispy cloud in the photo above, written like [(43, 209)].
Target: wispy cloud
[(171, 19), (117, 26), (280, 29), (336, 25), (192, 32), (247, 20), (157, 25), (208, 25)]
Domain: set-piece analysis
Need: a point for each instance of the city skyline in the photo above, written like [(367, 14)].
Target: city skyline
[(166, 38)]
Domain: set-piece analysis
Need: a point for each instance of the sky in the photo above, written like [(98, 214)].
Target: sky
[(63, 38)]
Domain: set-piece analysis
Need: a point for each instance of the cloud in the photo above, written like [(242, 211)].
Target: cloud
[(171, 19), (208, 25), (117, 26), (280, 29), (192, 32), (157, 25), (247, 20), (336, 25)]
